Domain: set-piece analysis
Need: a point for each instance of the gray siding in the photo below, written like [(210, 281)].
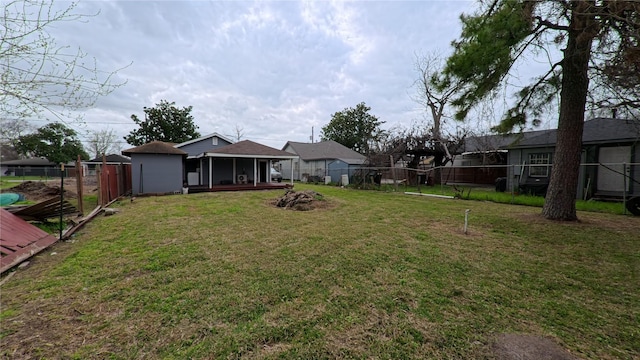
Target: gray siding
[(223, 171), (338, 168), (244, 166), (587, 175), (203, 145), (159, 173), (305, 168)]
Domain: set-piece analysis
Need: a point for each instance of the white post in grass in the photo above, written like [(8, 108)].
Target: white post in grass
[(466, 220)]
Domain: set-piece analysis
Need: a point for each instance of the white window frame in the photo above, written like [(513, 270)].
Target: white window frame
[(539, 164)]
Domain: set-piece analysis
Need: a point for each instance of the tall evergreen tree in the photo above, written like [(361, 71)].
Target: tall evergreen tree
[(597, 40)]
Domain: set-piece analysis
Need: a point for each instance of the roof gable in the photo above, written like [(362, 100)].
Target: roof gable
[(202, 138), (324, 150)]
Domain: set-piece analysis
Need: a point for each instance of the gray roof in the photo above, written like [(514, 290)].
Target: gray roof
[(155, 147), (34, 162), (111, 158), (325, 150), (596, 131), (248, 148)]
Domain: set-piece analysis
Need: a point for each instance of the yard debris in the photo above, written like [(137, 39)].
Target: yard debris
[(110, 211), (299, 200), (44, 210), (38, 190)]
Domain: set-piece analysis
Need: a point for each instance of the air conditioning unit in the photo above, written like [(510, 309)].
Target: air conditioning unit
[(242, 179)]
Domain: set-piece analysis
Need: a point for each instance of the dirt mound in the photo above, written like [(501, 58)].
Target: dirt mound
[(524, 347), (300, 200), (36, 190)]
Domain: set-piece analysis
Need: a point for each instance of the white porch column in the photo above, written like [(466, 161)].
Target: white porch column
[(210, 172), (291, 171), (255, 171)]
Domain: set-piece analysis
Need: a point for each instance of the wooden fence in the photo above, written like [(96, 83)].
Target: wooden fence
[(113, 181)]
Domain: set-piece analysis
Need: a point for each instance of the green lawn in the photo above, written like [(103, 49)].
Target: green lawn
[(372, 275)]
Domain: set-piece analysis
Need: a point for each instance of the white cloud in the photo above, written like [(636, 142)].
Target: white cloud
[(276, 69)]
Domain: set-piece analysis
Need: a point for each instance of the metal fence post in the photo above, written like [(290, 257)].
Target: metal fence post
[(624, 188)]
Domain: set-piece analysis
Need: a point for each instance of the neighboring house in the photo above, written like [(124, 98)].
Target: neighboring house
[(209, 163), (111, 159), (321, 159), (36, 167), (156, 168), (610, 158)]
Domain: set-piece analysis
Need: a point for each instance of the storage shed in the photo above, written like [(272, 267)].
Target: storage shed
[(156, 168)]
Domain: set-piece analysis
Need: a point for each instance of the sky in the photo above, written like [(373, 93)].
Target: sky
[(276, 71)]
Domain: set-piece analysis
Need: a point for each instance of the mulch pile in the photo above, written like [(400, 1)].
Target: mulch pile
[(36, 190), (300, 200)]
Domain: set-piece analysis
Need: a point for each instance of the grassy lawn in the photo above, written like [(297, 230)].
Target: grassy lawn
[(373, 275)]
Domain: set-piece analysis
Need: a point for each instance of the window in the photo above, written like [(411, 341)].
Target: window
[(539, 159), (214, 140)]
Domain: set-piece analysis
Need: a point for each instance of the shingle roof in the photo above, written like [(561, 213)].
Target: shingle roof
[(154, 147), (599, 130), (35, 162), (325, 150), (596, 131), (250, 148), (111, 158)]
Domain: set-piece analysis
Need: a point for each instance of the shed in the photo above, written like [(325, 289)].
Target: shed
[(156, 168)]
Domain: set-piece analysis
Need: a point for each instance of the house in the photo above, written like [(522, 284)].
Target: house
[(36, 167), (610, 159), (208, 163), (321, 159), (111, 159), (156, 168), (242, 163)]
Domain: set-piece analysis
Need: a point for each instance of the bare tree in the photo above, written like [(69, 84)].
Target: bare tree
[(239, 132), (434, 98), (103, 142), (12, 129), (39, 76)]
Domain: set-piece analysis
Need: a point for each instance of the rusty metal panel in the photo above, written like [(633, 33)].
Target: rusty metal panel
[(20, 240)]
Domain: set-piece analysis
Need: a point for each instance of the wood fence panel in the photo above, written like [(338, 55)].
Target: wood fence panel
[(115, 181)]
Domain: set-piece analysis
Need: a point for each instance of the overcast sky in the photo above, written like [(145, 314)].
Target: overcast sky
[(276, 69)]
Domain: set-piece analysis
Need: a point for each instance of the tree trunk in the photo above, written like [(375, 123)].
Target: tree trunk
[(560, 201)]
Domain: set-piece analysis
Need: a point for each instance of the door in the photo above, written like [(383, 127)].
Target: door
[(610, 173), (263, 172)]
